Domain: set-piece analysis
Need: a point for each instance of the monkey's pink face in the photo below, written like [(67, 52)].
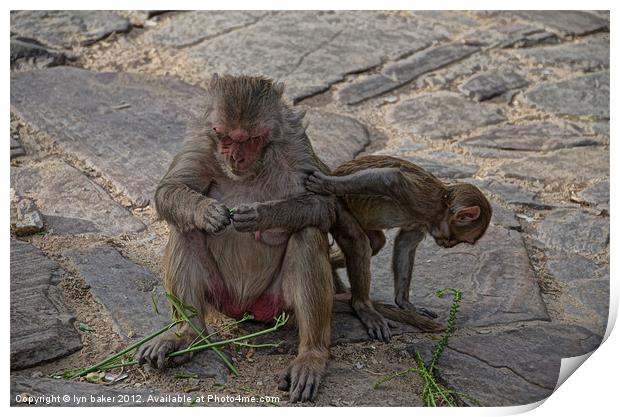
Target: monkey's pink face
[(240, 148)]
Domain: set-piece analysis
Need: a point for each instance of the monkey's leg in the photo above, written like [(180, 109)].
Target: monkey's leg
[(377, 240), (186, 276), (307, 287), (357, 250), (403, 259)]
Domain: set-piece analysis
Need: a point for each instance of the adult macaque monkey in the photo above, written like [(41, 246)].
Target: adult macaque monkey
[(250, 155), (250, 148), (383, 192)]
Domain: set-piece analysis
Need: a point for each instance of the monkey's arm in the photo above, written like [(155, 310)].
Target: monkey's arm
[(179, 199), (388, 182), (292, 214)]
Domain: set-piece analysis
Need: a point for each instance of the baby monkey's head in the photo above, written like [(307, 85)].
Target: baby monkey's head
[(466, 219)]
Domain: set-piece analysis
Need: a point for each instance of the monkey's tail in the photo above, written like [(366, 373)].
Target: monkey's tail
[(408, 317)]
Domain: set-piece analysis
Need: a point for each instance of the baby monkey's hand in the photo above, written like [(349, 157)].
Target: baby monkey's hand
[(319, 183)]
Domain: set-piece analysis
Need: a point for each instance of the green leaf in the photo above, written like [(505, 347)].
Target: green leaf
[(95, 377), (85, 328)]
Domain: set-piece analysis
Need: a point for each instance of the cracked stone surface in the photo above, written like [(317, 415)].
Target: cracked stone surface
[(509, 35), (586, 96), (271, 45), (441, 115), (401, 72), (516, 367), (41, 324), (587, 56), (493, 292), (399, 83), (193, 27), (64, 28), (536, 136), (566, 22), (574, 231), (559, 167), (132, 295), (70, 202)]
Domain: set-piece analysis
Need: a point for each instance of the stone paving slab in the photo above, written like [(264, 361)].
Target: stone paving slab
[(510, 193), (70, 202), (441, 115), (574, 231), (141, 122), (587, 56), (191, 28), (586, 96), (586, 286), (29, 54), (566, 22), (489, 84), (41, 324), (596, 194), (563, 166), (342, 42), (533, 136), (441, 164), (495, 277), (510, 35), (129, 292), (94, 394), (64, 28), (401, 72), (514, 367)]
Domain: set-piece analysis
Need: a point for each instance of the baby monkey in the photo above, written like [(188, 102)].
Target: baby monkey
[(384, 192)]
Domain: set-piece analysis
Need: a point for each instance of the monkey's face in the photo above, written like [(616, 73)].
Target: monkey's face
[(239, 149)]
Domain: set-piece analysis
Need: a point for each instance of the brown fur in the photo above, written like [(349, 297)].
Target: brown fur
[(383, 192), (215, 267)]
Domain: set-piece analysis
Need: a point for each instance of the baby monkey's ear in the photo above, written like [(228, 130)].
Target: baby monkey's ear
[(466, 215), (279, 88)]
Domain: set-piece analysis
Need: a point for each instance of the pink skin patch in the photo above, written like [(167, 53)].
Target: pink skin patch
[(257, 236), (264, 308)]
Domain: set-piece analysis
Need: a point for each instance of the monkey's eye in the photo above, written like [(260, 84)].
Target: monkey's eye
[(255, 138)]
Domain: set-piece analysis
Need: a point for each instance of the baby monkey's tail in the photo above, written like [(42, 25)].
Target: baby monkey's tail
[(408, 317)]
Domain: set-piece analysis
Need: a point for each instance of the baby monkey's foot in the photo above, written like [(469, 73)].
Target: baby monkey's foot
[(319, 183), (406, 305)]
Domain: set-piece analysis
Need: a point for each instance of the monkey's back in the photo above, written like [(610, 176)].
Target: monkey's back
[(378, 212)]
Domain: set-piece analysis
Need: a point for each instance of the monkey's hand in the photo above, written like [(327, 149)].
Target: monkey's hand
[(213, 218), (319, 183), (249, 218), (154, 352)]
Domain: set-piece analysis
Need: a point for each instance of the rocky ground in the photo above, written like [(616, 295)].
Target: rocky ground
[(514, 102)]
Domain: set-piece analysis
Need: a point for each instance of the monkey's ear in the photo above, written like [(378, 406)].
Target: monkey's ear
[(279, 88), (466, 215)]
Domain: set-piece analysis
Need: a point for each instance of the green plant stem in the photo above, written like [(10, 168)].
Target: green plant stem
[(222, 329), (279, 323), (181, 311), (104, 366), (124, 351)]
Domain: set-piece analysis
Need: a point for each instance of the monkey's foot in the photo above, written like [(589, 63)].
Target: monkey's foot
[(303, 376), (154, 352), (406, 305), (377, 326), (319, 183)]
